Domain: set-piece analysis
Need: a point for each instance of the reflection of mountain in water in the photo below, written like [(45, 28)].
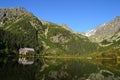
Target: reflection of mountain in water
[(75, 69), (25, 61), (112, 63), (10, 69), (56, 69)]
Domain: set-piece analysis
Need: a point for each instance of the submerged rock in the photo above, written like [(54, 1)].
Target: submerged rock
[(102, 75)]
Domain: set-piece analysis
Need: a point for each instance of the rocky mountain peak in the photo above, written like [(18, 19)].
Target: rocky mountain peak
[(67, 28), (5, 12), (105, 30), (117, 18), (10, 15)]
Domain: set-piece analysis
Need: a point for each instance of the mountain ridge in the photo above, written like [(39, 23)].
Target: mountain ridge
[(104, 31), (23, 29)]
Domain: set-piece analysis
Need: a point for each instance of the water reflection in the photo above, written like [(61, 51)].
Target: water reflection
[(13, 68), (74, 69), (103, 75), (26, 60)]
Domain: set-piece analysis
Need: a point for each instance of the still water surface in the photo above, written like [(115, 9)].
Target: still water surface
[(13, 68)]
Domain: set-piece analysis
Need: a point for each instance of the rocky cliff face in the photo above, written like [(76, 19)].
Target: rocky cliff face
[(105, 30), (10, 14)]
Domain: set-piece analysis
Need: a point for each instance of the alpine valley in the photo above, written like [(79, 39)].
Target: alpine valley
[(20, 28)]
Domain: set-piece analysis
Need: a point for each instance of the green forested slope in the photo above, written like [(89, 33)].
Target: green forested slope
[(23, 29)]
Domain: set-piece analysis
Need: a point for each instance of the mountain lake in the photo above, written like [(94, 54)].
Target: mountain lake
[(31, 68)]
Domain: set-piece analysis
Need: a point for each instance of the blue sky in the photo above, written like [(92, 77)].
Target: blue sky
[(79, 15)]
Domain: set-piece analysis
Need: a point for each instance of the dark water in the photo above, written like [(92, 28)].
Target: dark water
[(14, 68)]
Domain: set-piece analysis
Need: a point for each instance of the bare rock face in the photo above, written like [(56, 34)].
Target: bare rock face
[(7, 12), (105, 30), (8, 15), (59, 39)]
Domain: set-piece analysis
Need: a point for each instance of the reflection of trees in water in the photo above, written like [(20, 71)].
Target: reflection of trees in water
[(12, 70), (111, 62), (52, 69), (75, 70), (65, 70), (107, 62)]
